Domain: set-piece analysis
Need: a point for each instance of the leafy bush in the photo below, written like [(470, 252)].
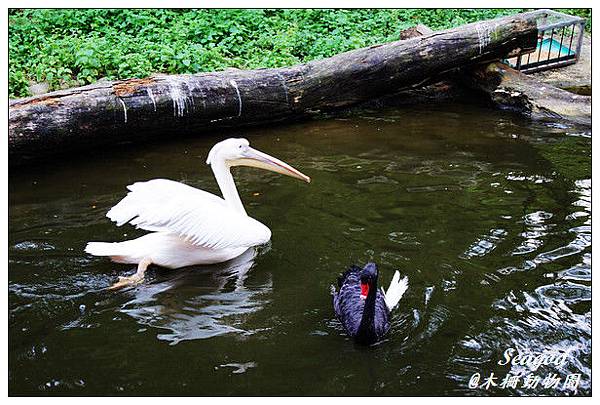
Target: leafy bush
[(68, 48), (581, 12)]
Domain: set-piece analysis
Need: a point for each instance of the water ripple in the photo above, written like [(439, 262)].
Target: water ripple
[(485, 244), (532, 323), (536, 229)]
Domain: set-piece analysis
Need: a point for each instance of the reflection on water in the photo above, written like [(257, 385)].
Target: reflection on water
[(534, 232), (485, 244), (549, 319), (532, 323), (487, 214), (202, 310)]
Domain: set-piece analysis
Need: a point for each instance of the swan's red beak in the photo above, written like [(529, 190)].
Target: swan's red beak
[(364, 290)]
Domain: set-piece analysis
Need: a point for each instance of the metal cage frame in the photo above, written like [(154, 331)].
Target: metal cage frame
[(555, 23)]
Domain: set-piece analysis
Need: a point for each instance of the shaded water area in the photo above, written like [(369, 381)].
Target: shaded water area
[(488, 214)]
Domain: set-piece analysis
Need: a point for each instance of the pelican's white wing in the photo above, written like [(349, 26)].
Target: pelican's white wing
[(199, 217)]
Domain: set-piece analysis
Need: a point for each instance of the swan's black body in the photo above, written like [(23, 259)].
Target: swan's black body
[(366, 320)]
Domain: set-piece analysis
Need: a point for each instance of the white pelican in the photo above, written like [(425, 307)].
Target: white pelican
[(190, 226)]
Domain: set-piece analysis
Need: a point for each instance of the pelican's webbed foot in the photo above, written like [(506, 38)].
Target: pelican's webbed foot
[(138, 277)]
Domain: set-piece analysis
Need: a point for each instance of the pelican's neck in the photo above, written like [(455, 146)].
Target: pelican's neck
[(227, 186)]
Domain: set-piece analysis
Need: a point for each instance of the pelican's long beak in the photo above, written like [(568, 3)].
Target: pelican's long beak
[(256, 158)]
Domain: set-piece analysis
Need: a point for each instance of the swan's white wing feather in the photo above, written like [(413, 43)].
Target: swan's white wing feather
[(197, 216)]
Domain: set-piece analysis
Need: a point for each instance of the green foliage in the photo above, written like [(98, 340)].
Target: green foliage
[(67, 48), (580, 12)]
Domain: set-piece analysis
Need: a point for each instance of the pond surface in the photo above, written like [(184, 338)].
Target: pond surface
[(488, 214)]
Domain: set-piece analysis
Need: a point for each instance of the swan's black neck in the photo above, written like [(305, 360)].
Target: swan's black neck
[(366, 331)]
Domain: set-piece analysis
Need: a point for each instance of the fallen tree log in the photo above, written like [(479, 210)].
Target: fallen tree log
[(440, 89), (107, 112), (510, 89)]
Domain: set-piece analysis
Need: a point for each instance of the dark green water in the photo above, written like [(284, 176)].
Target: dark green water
[(488, 215)]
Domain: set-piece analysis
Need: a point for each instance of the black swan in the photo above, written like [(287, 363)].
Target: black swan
[(361, 307)]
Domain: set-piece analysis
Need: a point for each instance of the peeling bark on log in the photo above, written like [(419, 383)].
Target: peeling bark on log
[(510, 89), (107, 112)]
